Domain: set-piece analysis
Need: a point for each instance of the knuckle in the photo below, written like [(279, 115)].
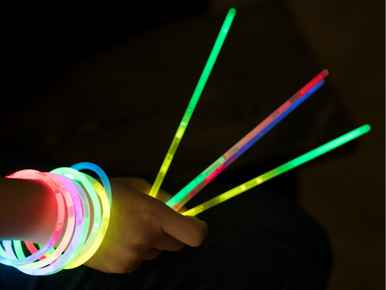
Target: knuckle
[(139, 242), (139, 182)]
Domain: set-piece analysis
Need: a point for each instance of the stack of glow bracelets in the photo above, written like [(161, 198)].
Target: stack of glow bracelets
[(78, 194)]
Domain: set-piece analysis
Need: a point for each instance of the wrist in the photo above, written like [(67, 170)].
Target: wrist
[(31, 210)]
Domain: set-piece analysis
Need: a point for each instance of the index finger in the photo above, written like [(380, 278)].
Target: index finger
[(189, 230)]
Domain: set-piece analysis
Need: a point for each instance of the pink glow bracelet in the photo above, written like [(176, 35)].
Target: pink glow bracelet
[(74, 247), (100, 224), (81, 223), (39, 268), (36, 175)]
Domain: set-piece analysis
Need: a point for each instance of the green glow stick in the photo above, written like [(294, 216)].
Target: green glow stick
[(193, 101), (279, 170)]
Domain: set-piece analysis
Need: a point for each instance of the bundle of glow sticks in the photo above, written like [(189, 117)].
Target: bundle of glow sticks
[(78, 194), (191, 189)]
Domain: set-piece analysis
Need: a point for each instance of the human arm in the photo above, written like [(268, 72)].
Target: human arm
[(141, 227), (28, 210)]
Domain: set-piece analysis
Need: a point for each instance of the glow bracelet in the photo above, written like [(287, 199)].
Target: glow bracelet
[(36, 175), (279, 170), (99, 228), (193, 102), (81, 259), (96, 225), (73, 206), (40, 267), (102, 175), (82, 223), (190, 190), (68, 233), (27, 265)]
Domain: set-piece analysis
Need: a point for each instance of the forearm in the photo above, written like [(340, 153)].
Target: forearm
[(28, 210)]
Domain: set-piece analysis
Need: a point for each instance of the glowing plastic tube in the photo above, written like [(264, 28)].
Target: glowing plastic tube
[(193, 102), (190, 190), (82, 223), (36, 175), (279, 170), (102, 175), (80, 178), (73, 204), (82, 226), (32, 268), (27, 265), (103, 228), (99, 227)]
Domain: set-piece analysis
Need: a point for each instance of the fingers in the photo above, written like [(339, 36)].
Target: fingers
[(142, 227), (179, 229), (189, 230), (168, 243)]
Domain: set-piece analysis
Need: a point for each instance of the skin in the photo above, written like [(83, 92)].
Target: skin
[(140, 229)]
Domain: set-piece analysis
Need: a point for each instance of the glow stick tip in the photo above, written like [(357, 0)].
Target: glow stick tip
[(325, 72), (280, 169)]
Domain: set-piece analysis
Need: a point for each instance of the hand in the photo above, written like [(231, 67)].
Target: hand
[(141, 227)]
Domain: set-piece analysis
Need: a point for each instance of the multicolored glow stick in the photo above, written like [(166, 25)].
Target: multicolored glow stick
[(190, 190), (279, 170), (193, 101)]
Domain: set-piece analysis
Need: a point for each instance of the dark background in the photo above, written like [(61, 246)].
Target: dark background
[(108, 82)]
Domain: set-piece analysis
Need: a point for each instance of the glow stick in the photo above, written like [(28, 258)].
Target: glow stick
[(279, 170), (193, 101), (190, 190)]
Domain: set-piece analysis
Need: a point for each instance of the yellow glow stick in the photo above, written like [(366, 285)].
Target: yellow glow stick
[(193, 101), (279, 170)]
